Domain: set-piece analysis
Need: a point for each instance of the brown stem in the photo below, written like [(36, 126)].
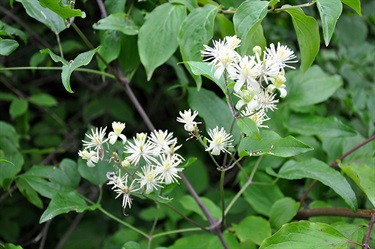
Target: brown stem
[(370, 226), (335, 163), (342, 212)]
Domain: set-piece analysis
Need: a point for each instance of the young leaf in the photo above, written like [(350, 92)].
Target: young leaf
[(120, 22), (43, 15), (18, 107), (307, 235), (82, 59), (283, 211), (307, 31), (196, 30), (189, 204), (311, 87), (363, 176), (7, 46), (253, 228), (318, 170), (157, 38), (62, 204), (249, 127), (65, 11), (43, 99), (354, 4), (248, 14), (27, 191), (329, 11)]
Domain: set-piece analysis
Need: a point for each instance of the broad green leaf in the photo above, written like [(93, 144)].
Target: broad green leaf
[(11, 159), (110, 43), (27, 191), (311, 87), (283, 211), (157, 38), (207, 104), (43, 99), (255, 37), (189, 4), (62, 204), (96, 175), (82, 59), (249, 127), (131, 245), (363, 176), (229, 238), (189, 203), (329, 11), (65, 11), (197, 241), (316, 125), (306, 235), (7, 46), (307, 31), (318, 170), (115, 6), (129, 57), (196, 30), (253, 228), (261, 197), (225, 25), (203, 68), (18, 107), (43, 15), (247, 15), (9, 133), (354, 4), (271, 143), (120, 22), (7, 30)]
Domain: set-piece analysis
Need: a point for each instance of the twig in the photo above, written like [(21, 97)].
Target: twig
[(370, 226), (102, 8), (342, 212)]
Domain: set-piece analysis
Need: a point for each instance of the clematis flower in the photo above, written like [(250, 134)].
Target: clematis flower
[(90, 156), (149, 179), (187, 118), (219, 142), (118, 127)]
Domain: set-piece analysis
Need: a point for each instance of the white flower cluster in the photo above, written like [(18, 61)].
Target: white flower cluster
[(219, 140), (256, 78), (149, 161)]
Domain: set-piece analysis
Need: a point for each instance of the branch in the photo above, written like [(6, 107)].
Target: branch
[(342, 212)]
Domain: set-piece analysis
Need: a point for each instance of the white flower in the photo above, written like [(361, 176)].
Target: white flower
[(280, 55), (258, 117), (248, 98), (148, 178), (167, 168), (222, 55), (162, 141), (140, 148), (96, 141), (120, 186), (220, 141), (118, 127), (278, 83), (246, 72), (90, 156), (267, 101), (188, 120)]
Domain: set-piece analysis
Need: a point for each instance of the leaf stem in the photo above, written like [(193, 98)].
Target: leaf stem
[(222, 180), (192, 229)]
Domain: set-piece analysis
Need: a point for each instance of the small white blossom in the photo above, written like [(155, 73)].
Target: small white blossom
[(280, 55), (120, 186), (140, 149), (167, 168), (188, 120), (162, 141), (248, 98), (267, 101), (219, 142), (118, 127), (149, 179), (258, 117), (90, 156), (97, 139), (278, 83), (247, 72)]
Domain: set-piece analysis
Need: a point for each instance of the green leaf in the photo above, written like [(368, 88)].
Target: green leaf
[(329, 11), (197, 241), (253, 228), (119, 22), (261, 197), (8, 30), (354, 4), (316, 125), (249, 127), (363, 176), (248, 17), (307, 31), (203, 68), (43, 99), (7, 46), (18, 107), (27, 191), (196, 30), (271, 143), (131, 245), (189, 203), (307, 235), (129, 57), (283, 211), (110, 43), (82, 59), (65, 11), (157, 38), (43, 15), (255, 37), (311, 87), (96, 175), (318, 170), (189, 4), (207, 104), (62, 204), (115, 6)]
